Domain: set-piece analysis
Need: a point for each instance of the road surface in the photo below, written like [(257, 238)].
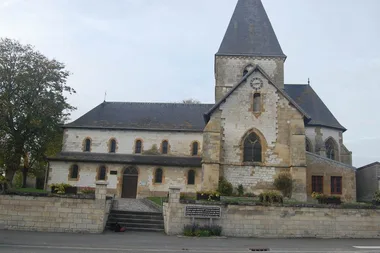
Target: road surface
[(109, 242)]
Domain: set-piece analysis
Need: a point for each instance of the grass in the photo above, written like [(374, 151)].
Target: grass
[(32, 190), (157, 200)]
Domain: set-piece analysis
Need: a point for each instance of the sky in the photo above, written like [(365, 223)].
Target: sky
[(163, 51)]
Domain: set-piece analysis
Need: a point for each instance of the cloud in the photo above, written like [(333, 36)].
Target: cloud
[(7, 3)]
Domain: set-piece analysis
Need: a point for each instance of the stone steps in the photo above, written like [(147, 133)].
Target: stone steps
[(136, 221)]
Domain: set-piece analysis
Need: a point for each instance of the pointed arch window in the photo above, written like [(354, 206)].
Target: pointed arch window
[(331, 150), (138, 147), (158, 176), (194, 148), (164, 147), (252, 148), (87, 145), (191, 177), (112, 146), (308, 146)]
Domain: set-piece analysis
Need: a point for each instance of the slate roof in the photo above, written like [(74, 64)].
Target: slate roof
[(250, 32), (310, 102), (152, 116), (128, 159)]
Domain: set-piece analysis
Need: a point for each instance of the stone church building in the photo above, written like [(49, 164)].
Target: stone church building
[(257, 127)]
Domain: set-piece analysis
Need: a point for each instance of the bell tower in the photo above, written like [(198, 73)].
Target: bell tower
[(249, 40)]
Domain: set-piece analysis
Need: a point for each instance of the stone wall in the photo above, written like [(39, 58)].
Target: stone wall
[(55, 214), (146, 186), (280, 222), (367, 181), (321, 166), (179, 142), (229, 71)]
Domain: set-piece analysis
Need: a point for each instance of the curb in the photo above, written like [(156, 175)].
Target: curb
[(205, 237)]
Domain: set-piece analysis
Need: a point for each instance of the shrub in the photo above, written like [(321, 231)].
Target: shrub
[(202, 231), (249, 194), (284, 183), (240, 190), (225, 188), (324, 199), (271, 197), (208, 195), (376, 198), (88, 190), (59, 188)]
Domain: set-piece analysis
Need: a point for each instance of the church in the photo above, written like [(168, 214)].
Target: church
[(257, 127)]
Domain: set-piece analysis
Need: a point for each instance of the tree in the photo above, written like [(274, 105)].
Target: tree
[(32, 104), (190, 101)]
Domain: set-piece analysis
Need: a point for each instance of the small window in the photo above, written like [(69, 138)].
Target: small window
[(246, 70), (252, 148), (138, 147), (74, 171), (112, 146), (158, 176), (191, 177), (194, 148), (317, 184), (102, 173), (336, 185), (164, 147), (87, 145), (257, 102)]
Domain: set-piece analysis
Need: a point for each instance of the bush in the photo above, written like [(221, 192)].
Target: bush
[(88, 190), (225, 188), (59, 188), (376, 198), (202, 231), (250, 195), (324, 199), (240, 190), (208, 195), (284, 183), (271, 197)]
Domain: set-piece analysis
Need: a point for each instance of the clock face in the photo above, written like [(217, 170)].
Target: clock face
[(256, 83)]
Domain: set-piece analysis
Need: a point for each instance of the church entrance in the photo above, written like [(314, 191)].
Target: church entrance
[(130, 178)]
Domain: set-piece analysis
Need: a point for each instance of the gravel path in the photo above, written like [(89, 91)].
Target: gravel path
[(135, 205)]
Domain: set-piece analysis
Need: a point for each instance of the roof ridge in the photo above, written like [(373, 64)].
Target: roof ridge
[(156, 103)]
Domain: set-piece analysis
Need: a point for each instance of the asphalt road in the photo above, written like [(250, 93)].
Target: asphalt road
[(33, 242)]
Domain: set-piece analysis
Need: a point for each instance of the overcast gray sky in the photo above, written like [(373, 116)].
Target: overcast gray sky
[(163, 51)]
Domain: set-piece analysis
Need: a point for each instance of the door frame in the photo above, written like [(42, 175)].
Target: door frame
[(132, 175)]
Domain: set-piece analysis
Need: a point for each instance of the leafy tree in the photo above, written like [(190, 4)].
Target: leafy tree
[(191, 101), (32, 104)]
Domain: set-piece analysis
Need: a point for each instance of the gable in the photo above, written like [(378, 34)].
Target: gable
[(244, 81)]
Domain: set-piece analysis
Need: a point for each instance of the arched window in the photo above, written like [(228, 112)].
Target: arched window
[(248, 68), (308, 145), (87, 145), (164, 147), (138, 147), (112, 146), (331, 150), (191, 177), (194, 148), (158, 176), (252, 148), (102, 173), (74, 171), (257, 102)]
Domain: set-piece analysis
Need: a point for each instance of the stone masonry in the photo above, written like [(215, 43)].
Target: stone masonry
[(280, 222), (55, 214)]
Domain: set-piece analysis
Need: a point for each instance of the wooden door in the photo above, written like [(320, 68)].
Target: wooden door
[(130, 178)]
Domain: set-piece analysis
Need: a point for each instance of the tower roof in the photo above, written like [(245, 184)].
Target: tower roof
[(250, 32)]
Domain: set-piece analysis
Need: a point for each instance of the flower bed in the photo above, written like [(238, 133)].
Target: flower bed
[(202, 231), (210, 196)]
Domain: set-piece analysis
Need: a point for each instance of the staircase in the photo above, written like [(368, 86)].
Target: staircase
[(136, 220)]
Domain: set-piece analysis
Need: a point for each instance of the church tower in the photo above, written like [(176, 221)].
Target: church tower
[(249, 40)]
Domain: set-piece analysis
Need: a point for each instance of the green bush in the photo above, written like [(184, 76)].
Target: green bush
[(271, 197), (376, 197), (202, 231), (17, 181), (88, 190), (60, 188), (240, 190), (225, 188), (284, 183)]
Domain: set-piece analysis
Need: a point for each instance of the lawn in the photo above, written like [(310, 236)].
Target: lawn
[(157, 200), (32, 190)]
